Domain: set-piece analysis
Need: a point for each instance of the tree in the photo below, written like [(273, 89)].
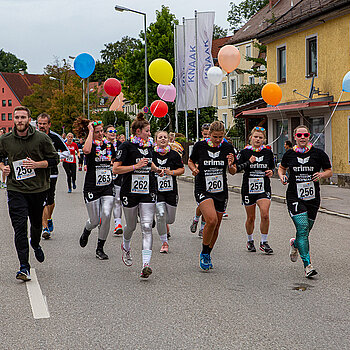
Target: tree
[(10, 63), (106, 67), (262, 61), (219, 32), (239, 14)]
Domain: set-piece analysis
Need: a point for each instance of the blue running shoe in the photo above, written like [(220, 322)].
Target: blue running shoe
[(46, 233), (210, 263), (50, 225), (69, 190), (204, 261), (23, 274)]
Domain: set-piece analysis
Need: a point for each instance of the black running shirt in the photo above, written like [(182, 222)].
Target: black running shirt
[(116, 178), (212, 164), (98, 173), (301, 168), (167, 184), (140, 181), (60, 147), (255, 180)]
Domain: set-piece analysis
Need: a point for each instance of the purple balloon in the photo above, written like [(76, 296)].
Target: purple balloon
[(166, 92)]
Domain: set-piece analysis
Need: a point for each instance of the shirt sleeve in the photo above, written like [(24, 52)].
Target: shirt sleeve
[(195, 153), (241, 157), (326, 163), (284, 161), (3, 154), (50, 154), (271, 162), (178, 161), (122, 153)]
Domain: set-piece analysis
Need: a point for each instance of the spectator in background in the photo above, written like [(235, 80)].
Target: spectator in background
[(288, 145)]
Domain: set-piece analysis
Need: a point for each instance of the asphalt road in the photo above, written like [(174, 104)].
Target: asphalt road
[(248, 301)]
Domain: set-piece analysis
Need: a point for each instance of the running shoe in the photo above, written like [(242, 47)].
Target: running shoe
[(251, 246), (50, 225), (168, 235), (193, 227), (39, 254), (210, 263), (310, 271), (204, 261), (74, 186), (118, 230), (100, 254), (46, 233), (165, 248), (126, 256), (264, 247), (80, 168), (200, 233), (146, 271), (225, 216), (69, 190), (293, 251), (23, 274), (83, 241)]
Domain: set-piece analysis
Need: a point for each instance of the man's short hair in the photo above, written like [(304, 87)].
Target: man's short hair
[(22, 108), (289, 143), (45, 115)]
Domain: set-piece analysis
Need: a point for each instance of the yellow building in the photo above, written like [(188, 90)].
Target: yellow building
[(308, 55)]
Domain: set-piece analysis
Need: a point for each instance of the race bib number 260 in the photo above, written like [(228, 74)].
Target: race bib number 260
[(21, 172), (214, 184)]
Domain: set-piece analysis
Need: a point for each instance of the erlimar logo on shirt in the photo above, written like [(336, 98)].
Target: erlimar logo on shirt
[(118, 154), (214, 155), (161, 162), (143, 151), (303, 160), (259, 159)]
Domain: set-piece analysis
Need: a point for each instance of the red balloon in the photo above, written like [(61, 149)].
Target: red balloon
[(159, 108), (112, 87)]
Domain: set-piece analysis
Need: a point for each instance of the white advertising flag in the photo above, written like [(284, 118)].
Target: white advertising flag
[(180, 68)]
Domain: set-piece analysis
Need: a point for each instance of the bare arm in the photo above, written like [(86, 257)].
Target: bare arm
[(325, 175), (193, 167), (176, 172), (282, 174), (88, 143)]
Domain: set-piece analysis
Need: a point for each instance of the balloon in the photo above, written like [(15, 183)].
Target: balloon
[(229, 58), (161, 71), (346, 82), (112, 87), (272, 94), (215, 75), (166, 92), (84, 65), (159, 108)]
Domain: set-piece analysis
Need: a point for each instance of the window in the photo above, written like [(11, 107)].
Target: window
[(281, 64), (316, 126), (233, 87), (3, 90), (248, 51), (224, 89), (281, 136), (224, 119), (3, 116), (4, 103), (311, 56), (251, 80), (9, 116), (9, 103)]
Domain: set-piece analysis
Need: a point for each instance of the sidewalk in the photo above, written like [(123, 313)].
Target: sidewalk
[(334, 200)]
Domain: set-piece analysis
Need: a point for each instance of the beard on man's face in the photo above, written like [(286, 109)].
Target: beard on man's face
[(22, 126)]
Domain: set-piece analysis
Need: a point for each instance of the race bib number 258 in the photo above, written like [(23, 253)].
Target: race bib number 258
[(21, 172)]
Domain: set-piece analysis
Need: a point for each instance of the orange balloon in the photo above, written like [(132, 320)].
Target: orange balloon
[(272, 94), (229, 58)]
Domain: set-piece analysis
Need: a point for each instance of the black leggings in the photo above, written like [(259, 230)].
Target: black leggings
[(71, 171), (21, 206)]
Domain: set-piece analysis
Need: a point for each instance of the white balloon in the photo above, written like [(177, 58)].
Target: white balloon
[(215, 75)]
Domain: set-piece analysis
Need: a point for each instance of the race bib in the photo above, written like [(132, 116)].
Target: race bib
[(214, 184), (103, 176), (306, 190), (165, 183), (256, 185), (140, 184), (21, 172), (70, 159)]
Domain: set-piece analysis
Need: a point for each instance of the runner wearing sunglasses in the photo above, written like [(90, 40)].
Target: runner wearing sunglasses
[(111, 135), (303, 193), (257, 162)]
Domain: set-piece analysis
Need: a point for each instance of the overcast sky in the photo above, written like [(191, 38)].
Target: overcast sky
[(39, 30)]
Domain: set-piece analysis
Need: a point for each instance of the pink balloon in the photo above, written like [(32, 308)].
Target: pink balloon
[(166, 92), (229, 58)]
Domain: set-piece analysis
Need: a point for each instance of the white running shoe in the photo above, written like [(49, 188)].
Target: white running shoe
[(310, 271), (293, 251), (126, 256)]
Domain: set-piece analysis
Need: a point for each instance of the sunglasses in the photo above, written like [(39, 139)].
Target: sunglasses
[(259, 128), (206, 126), (112, 131), (301, 134), (97, 122)]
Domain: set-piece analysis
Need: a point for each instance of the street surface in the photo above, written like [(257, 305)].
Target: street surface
[(248, 301)]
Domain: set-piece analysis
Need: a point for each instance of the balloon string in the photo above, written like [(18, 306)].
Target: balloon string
[(330, 118), (271, 143), (168, 123)]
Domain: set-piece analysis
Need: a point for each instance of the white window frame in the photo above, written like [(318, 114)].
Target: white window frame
[(234, 83), (224, 83), (278, 62), (251, 77), (248, 47), (224, 121), (307, 76)]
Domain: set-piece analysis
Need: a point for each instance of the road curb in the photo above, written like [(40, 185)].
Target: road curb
[(274, 197)]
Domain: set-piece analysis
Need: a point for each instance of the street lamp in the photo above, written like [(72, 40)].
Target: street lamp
[(62, 81), (122, 9)]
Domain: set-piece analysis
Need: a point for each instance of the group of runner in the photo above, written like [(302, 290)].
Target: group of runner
[(140, 177)]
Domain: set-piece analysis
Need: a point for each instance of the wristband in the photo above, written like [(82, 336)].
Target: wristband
[(133, 167)]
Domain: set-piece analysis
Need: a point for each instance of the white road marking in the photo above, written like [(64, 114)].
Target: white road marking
[(37, 299)]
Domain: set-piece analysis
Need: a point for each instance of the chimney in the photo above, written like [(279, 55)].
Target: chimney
[(272, 3), (21, 71), (291, 3)]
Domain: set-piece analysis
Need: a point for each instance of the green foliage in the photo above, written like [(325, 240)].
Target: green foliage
[(239, 14), (262, 61), (115, 118), (248, 93), (10, 63), (219, 32), (131, 68)]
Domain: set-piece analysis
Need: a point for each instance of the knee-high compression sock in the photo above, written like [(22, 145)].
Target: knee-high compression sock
[(301, 242), (100, 244)]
